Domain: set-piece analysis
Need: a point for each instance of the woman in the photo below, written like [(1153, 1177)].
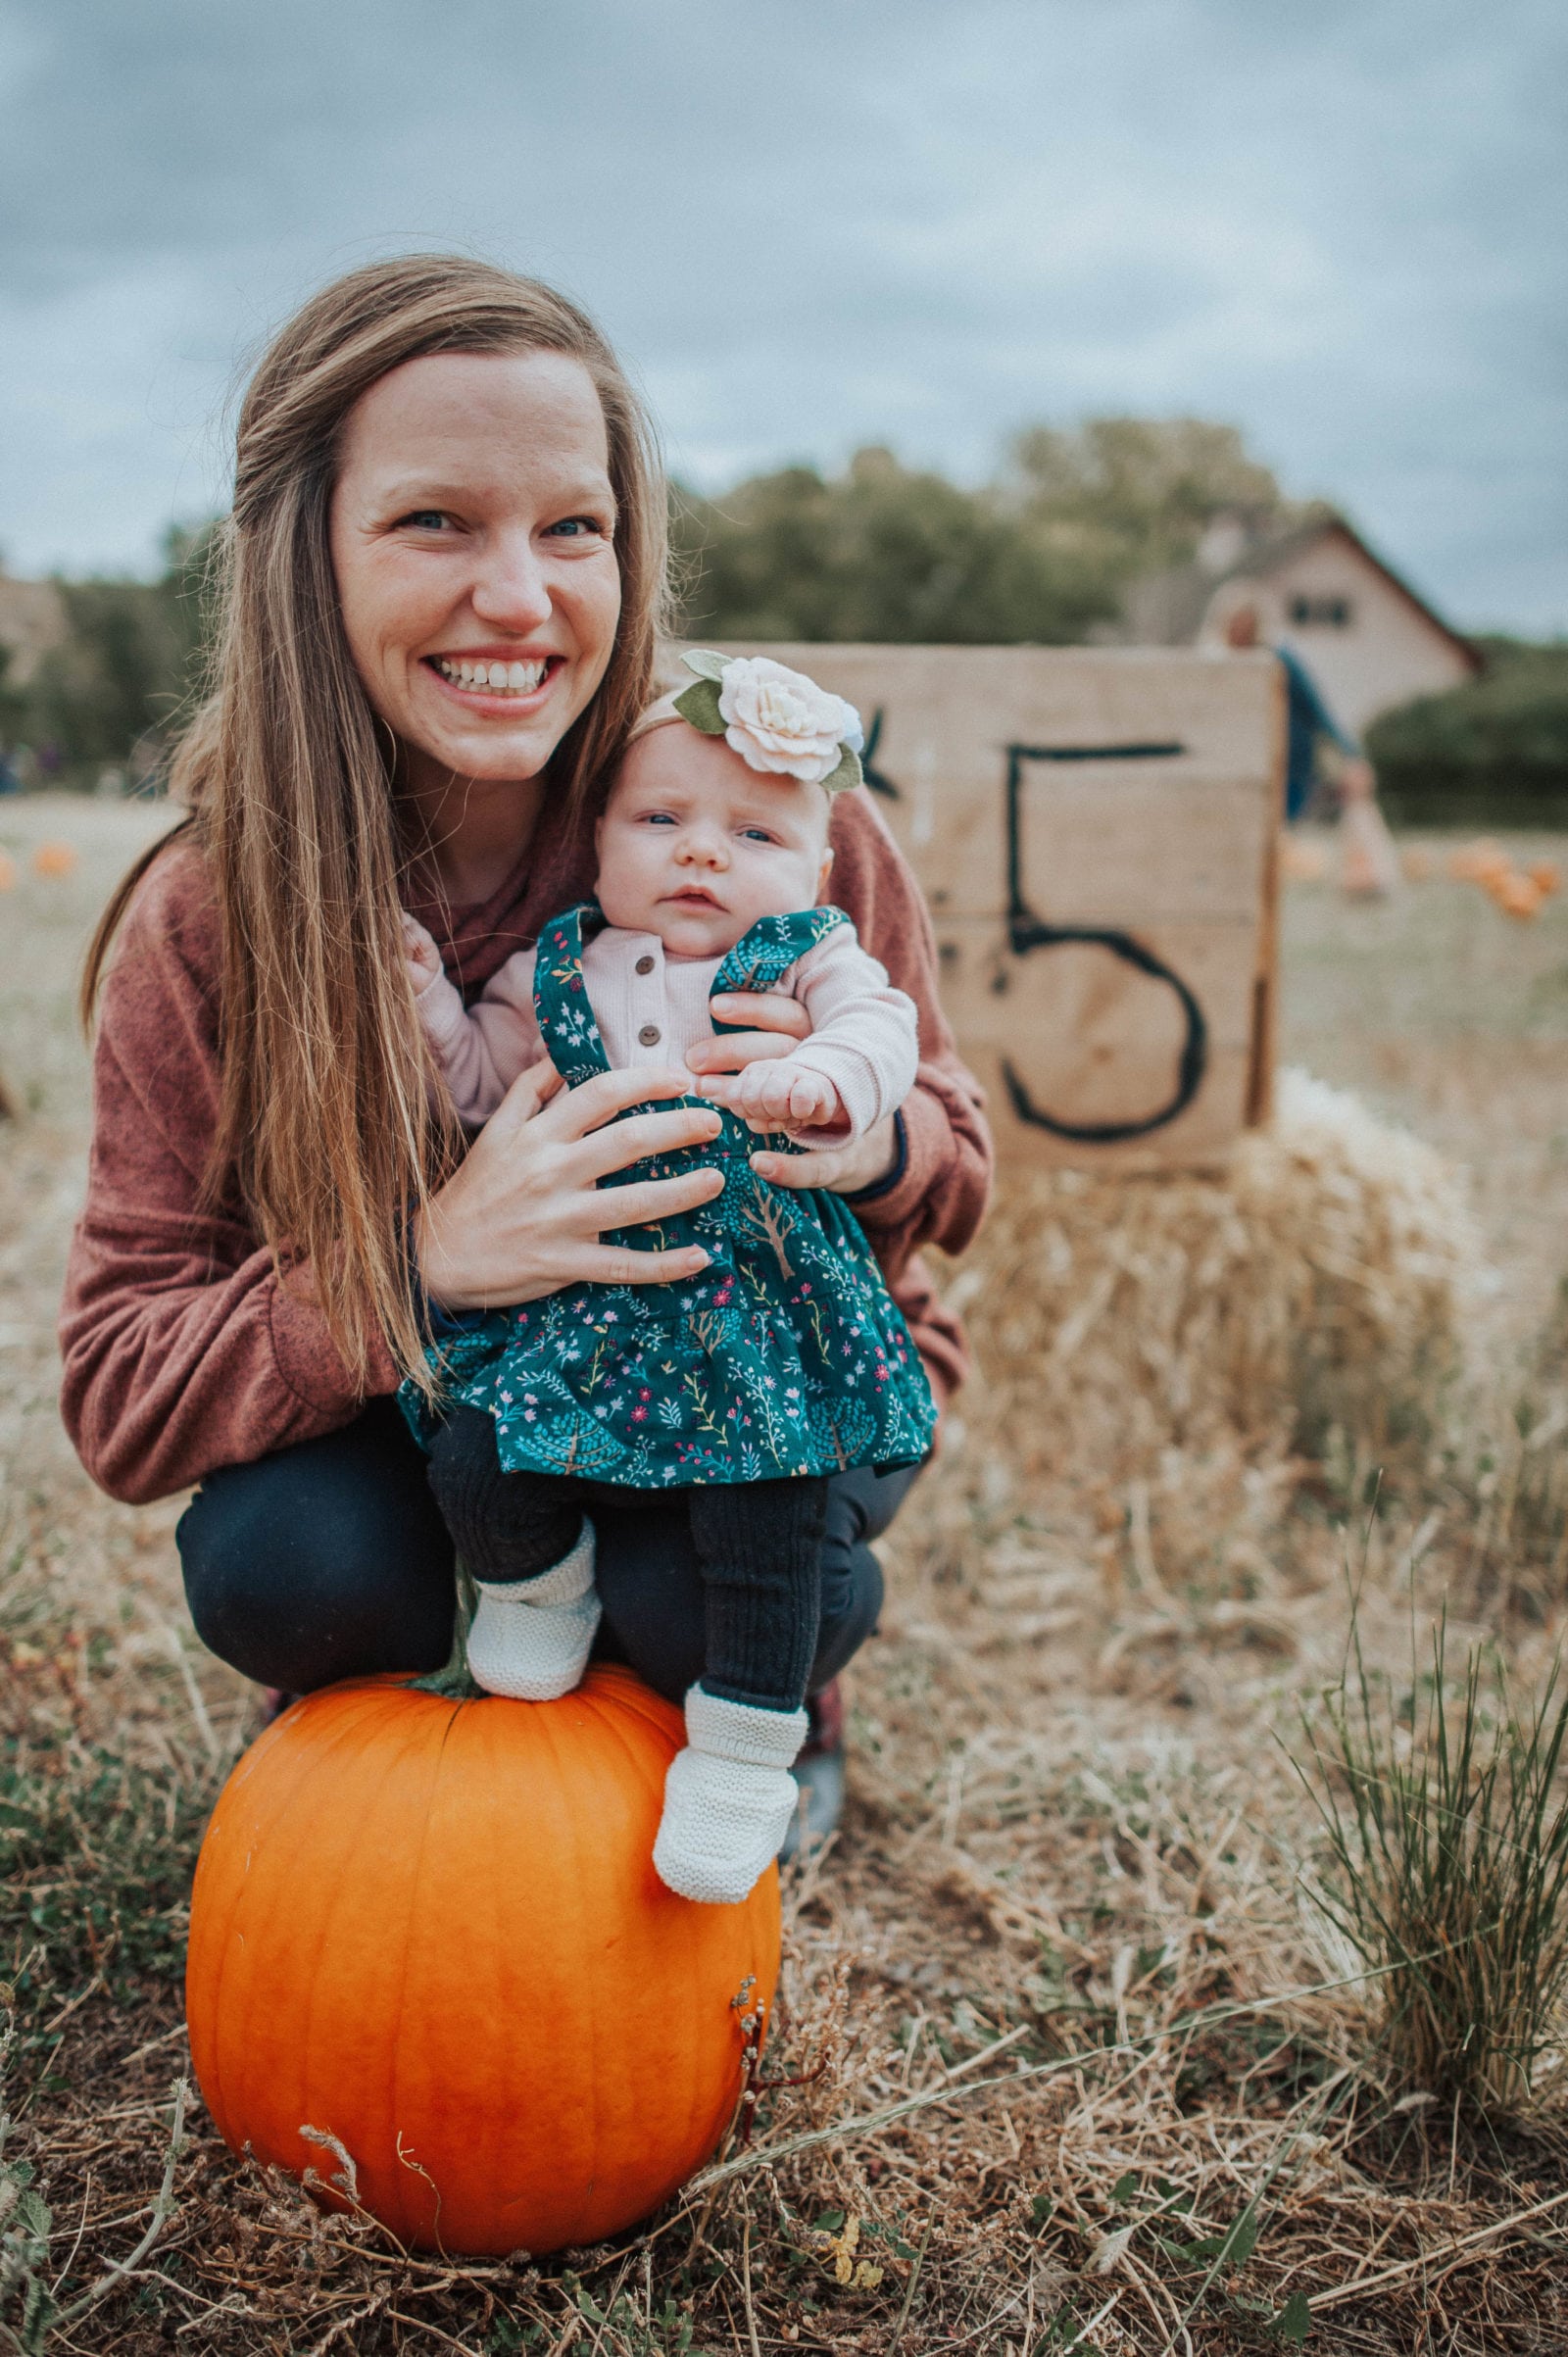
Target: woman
[(445, 577)]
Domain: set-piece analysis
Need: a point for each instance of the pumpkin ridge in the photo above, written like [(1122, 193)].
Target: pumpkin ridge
[(310, 2069), (398, 2091), (641, 1772), (224, 1936)]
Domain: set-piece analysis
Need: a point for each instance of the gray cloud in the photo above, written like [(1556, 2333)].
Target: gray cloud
[(815, 224)]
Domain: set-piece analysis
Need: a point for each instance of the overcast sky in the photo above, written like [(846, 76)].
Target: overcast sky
[(811, 224)]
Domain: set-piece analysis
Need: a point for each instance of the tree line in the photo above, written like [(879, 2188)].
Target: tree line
[(878, 550)]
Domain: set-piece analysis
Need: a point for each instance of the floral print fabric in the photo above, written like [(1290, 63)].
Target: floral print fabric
[(786, 1356)]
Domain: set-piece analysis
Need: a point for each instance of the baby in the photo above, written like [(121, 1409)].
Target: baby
[(786, 1360)]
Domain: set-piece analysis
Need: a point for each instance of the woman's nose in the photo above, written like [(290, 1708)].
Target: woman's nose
[(509, 587)]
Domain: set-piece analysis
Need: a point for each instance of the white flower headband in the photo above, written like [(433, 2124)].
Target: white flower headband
[(776, 720)]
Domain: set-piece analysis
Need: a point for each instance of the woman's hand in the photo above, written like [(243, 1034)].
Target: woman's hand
[(775, 1094), (777, 1022), (523, 1214), (841, 1169)]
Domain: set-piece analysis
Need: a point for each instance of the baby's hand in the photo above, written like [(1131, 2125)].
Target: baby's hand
[(420, 953), (778, 1094)]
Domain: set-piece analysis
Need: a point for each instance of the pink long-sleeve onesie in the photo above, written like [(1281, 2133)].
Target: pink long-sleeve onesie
[(651, 1008)]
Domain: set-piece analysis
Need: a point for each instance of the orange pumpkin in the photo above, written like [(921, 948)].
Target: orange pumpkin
[(431, 1930), (8, 871), (1473, 862), (1547, 877), (1515, 894), (54, 860)]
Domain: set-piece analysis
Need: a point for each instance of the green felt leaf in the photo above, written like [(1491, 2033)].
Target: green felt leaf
[(848, 773), (706, 664), (699, 704)]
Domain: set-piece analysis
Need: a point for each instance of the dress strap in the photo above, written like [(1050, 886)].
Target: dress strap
[(769, 949), (568, 1024)]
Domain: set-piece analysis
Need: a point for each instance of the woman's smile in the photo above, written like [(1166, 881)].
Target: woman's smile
[(495, 674), (473, 528)]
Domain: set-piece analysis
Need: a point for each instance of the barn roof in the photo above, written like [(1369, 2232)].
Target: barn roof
[(1271, 556), (1168, 607)]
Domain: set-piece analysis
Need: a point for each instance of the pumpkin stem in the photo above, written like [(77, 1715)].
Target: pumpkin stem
[(455, 1681)]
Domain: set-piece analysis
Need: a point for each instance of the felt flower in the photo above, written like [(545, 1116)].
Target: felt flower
[(779, 722), (778, 719)]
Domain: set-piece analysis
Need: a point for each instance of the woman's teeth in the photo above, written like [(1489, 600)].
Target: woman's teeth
[(496, 678)]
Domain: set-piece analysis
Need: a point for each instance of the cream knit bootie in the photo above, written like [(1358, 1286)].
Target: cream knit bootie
[(531, 1639), (728, 1798)]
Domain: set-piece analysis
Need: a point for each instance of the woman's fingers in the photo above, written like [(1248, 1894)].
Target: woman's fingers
[(775, 1023), (738, 1049), (626, 1141), (619, 1264), (528, 1094), (633, 1206), (598, 1100), (842, 1169)]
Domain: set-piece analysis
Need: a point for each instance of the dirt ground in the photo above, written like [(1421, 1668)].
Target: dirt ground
[(1063, 1926)]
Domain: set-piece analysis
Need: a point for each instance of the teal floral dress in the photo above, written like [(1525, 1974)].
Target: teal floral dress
[(786, 1356)]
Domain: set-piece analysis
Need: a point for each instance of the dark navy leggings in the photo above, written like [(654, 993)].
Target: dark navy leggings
[(329, 1561)]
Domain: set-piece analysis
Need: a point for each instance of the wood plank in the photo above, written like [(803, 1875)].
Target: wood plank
[(1133, 791)]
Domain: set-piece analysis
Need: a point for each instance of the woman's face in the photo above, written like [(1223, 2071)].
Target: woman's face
[(472, 535)]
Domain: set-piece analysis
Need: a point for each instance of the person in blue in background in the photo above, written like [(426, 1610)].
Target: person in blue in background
[(1308, 718)]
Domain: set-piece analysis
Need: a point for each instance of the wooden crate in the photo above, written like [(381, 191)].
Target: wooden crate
[(1096, 832)]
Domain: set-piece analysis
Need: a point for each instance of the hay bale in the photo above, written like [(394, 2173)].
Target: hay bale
[(1323, 1280)]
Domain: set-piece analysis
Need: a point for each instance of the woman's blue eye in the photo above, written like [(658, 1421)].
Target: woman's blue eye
[(426, 520), (572, 527)]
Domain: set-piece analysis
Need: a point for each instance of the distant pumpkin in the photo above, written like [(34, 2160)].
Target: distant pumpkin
[(1547, 877), (1473, 862), (1516, 895), (431, 1930), (54, 860), (8, 871)]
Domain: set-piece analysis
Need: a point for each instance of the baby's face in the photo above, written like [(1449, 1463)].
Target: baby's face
[(695, 847)]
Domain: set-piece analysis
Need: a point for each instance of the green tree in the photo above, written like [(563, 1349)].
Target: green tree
[(129, 665), (1134, 495), (880, 553), (1493, 751)]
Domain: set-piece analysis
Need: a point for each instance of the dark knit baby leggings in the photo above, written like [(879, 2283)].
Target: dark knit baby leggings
[(758, 1547)]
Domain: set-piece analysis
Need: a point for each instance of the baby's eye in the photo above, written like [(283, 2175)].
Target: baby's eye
[(756, 834), (657, 818)]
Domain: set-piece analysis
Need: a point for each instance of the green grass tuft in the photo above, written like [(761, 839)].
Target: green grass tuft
[(1446, 1819)]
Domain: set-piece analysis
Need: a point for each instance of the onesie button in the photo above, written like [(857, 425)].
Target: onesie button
[(645, 965), (649, 1035)]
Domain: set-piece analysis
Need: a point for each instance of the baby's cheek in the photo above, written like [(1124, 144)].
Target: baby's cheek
[(621, 891)]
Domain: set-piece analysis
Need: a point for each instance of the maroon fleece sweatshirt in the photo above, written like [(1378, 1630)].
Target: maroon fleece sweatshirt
[(184, 1351)]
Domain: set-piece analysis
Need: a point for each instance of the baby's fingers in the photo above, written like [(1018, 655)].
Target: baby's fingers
[(813, 1099)]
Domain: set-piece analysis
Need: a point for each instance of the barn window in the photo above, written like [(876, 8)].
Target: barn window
[(1320, 612)]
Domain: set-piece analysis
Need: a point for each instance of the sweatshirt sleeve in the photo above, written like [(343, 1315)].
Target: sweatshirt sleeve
[(185, 1347), (937, 1192), (482, 1048), (865, 1035)]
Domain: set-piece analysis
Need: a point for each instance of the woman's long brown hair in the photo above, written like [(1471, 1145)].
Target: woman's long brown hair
[(326, 1125)]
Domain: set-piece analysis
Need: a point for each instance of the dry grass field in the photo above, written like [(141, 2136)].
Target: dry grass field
[(1095, 2063)]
